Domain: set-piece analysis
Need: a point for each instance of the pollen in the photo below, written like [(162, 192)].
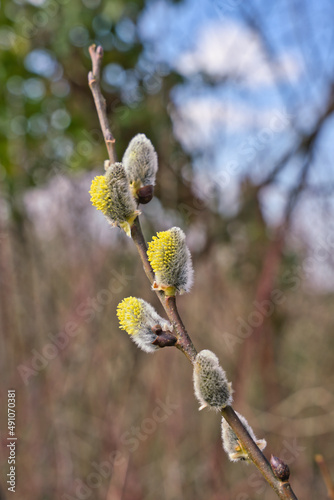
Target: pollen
[(110, 193), (140, 320), (171, 261), (162, 251), (129, 313), (99, 194)]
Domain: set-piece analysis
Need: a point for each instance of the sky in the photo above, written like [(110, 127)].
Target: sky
[(256, 76), (248, 91)]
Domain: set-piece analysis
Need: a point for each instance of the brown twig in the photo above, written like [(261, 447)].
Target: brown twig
[(96, 54), (325, 475), (282, 488), (184, 343), (164, 339)]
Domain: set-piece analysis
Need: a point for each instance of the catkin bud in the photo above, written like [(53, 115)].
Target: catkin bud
[(210, 383), (111, 194), (171, 262), (141, 164), (233, 446), (140, 321), (280, 468)]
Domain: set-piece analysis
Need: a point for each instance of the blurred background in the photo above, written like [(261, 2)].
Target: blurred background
[(238, 99)]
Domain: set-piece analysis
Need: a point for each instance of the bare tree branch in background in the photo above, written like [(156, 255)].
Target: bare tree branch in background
[(326, 476)]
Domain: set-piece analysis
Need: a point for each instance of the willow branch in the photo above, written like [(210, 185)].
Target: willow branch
[(183, 343), (94, 76), (282, 488)]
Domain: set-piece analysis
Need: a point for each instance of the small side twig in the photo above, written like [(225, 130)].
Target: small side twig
[(96, 54), (164, 339), (184, 343)]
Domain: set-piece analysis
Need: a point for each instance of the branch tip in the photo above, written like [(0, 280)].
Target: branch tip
[(96, 55), (92, 48)]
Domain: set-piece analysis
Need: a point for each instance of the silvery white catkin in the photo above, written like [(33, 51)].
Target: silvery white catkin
[(210, 382), (140, 162), (231, 443)]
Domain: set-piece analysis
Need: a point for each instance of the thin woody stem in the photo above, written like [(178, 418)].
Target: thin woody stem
[(96, 54), (282, 488), (139, 240), (184, 343)]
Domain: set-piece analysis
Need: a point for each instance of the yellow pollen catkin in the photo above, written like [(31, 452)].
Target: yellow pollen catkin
[(161, 251), (99, 194), (139, 319), (111, 194), (171, 261), (129, 313)]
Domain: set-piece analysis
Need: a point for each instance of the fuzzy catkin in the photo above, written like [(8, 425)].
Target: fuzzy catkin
[(140, 162), (171, 261), (137, 318), (210, 382), (231, 443), (110, 193)]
